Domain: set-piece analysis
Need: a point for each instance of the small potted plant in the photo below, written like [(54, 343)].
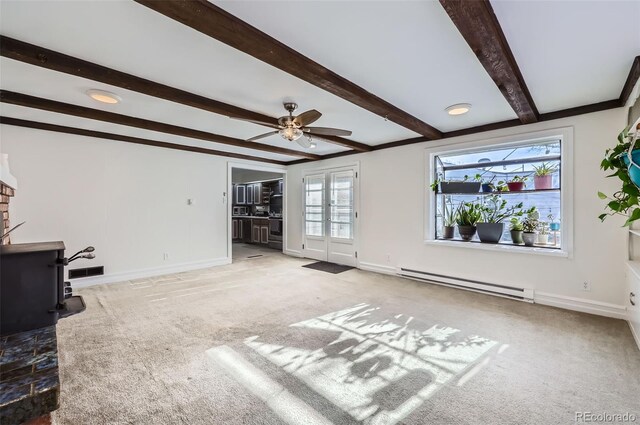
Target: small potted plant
[(501, 186), (554, 226), (468, 215), (529, 227), (449, 218), (543, 176), (543, 232), (488, 186), (516, 230), (466, 185), (517, 183), (494, 212)]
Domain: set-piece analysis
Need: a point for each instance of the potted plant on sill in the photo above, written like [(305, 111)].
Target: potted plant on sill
[(468, 215), (516, 229), (494, 212), (543, 176), (529, 228), (449, 220), (554, 226), (517, 183), (466, 185), (543, 233)]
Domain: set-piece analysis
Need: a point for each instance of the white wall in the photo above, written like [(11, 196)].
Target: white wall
[(392, 219), (128, 201)]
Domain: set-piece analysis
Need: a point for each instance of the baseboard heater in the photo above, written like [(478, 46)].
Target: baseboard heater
[(522, 294)]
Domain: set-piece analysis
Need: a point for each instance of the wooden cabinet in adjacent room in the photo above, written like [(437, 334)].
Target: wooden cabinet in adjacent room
[(240, 194), (260, 231), (245, 223), (237, 231), (249, 194)]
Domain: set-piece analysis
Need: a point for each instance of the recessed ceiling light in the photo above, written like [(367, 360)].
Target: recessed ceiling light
[(312, 145), (104, 96), (458, 109)]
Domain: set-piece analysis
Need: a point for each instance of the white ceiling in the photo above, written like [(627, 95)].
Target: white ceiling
[(87, 124), (35, 81), (407, 52), (139, 41), (572, 53)]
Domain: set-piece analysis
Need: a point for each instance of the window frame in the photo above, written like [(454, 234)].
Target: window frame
[(564, 134)]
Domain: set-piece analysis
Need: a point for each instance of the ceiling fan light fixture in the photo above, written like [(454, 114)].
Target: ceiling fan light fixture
[(291, 133), (458, 109), (104, 96)]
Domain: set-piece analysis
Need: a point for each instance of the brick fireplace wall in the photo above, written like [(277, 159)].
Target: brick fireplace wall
[(5, 195)]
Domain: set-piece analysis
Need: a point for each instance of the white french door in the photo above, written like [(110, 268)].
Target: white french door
[(330, 214)]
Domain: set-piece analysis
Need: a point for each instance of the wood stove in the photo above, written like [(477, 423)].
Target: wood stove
[(34, 293)]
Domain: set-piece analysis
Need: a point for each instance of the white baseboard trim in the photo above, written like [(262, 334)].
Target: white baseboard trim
[(293, 253), (371, 267), (156, 271), (635, 333), (581, 304)]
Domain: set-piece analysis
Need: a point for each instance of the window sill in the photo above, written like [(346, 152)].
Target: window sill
[(519, 249)]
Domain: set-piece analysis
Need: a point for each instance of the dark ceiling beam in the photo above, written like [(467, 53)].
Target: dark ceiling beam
[(479, 26), (340, 141), (580, 110), (55, 61), (226, 28), (113, 118), (135, 140), (632, 79)]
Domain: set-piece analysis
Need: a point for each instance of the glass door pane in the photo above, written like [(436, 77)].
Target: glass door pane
[(341, 205), (314, 205)]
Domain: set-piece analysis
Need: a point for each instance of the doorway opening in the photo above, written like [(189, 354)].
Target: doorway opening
[(256, 211)]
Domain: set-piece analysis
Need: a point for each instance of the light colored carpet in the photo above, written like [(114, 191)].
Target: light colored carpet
[(267, 341), (244, 251)]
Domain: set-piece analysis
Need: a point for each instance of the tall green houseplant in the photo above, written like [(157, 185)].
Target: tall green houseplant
[(624, 201)]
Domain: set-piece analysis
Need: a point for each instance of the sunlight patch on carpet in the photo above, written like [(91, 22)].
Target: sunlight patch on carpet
[(380, 367)]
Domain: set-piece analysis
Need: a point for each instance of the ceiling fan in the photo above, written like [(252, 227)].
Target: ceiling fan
[(294, 128)]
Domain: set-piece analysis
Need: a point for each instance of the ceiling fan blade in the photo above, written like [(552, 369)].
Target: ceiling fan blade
[(307, 118), (262, 136), (326, 131), (267, 124), (304, 142)]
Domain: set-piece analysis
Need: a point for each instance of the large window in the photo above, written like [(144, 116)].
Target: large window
[(524, 180)]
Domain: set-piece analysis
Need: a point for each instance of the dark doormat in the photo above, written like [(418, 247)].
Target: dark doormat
[(324, 266)]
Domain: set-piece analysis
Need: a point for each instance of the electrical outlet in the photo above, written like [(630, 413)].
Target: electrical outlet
[(586, 286), (166, 256), (388, 258)]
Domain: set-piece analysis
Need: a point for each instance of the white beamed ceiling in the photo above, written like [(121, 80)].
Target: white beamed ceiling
[(572, 53), (406, 52)]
